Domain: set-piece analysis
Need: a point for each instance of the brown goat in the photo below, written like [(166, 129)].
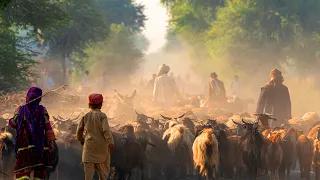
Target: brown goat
[(206, 154), (316, 159), (304, 153), (235, 159), (289, 152), (274, 155)]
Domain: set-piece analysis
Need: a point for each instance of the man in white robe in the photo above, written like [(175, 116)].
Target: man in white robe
[(165, 90)]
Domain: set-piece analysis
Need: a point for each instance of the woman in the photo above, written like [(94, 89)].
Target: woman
[(34, 135)]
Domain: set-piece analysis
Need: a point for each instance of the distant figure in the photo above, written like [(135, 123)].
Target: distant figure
[(165, 88), (180, 84), (235, 86), (151, 84), (85, 79), (98, 141), (187, 77), (49, 83), (69, 77), (141, 84), (105, 81), (217, 92), (275, 99)]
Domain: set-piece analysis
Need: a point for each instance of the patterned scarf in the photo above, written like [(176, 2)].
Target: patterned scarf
[(33, 115)]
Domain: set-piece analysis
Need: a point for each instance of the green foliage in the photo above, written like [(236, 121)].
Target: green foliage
[(118, 56), (39, 14), (17, 67), (90, 22), (15, 61), (4, 4), (124, 12), (69, 29), (251, 35)]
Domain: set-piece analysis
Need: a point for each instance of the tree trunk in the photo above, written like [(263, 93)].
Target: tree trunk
[(63, 59)]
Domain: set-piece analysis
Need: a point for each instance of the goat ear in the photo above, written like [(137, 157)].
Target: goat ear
[(119, 96), (134, 94)]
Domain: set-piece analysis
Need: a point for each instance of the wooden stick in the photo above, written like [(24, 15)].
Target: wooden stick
[(54, 90)]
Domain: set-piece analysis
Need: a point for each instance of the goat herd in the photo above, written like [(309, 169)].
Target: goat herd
[(185, 142)]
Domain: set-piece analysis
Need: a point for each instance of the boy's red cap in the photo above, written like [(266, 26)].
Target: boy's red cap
[(95, 99)]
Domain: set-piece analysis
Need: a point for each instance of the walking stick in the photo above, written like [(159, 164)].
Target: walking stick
[(51, 91)]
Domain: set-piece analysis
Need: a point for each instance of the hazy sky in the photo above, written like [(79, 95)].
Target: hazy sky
[(156, 24)]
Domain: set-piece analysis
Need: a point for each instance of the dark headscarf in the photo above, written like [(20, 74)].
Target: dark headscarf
[(32, 115), (32, 94)]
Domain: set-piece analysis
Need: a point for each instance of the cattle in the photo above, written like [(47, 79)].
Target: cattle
[(206, 154)]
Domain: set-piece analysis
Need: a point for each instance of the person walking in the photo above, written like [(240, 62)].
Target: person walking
[(217, 92), (94, 134), (275, 99), (85, 81), (34, 138), (165, 89)]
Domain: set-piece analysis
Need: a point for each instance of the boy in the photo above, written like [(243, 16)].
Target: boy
[(97, 141)]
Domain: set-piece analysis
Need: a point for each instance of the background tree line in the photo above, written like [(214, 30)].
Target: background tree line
[(71, 32), (251, 35)]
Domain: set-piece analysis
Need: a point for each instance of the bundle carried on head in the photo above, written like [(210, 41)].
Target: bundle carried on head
[(163, 69), (276, 75)]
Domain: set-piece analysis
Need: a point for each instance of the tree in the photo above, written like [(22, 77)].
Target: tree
[(4, 4), (86, 25), (90, 23), (253, 35), (118, 55), (15, 61)]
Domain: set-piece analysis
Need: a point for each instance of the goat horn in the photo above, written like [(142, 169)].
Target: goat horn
[(164, 117), (56, 119), (137, 112), (239, 124), (61, 118), (181, 115), (75, 118), (244, 121)]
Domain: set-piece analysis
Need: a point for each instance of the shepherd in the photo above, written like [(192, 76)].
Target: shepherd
[(275, 99), (217, 92), (165, 88), (34, 137), (97, 141)]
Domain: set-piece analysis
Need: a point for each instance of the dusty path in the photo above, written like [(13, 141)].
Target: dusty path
[(295, 175)]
